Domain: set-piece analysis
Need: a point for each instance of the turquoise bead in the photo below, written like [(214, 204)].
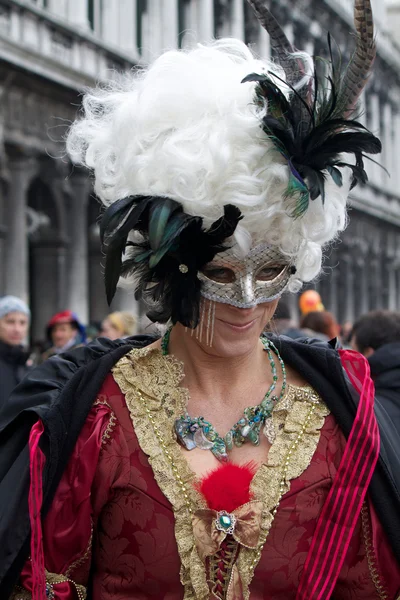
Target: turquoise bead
[(254, 438)]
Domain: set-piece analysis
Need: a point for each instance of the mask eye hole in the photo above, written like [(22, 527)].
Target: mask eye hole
[(270, 272), (219, 274)]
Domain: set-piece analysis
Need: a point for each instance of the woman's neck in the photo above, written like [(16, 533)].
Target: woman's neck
[(211, 375)]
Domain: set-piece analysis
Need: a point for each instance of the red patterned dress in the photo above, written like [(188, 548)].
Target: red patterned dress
[(128, 522)]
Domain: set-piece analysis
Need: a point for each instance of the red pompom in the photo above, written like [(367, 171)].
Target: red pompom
[(228, 486)]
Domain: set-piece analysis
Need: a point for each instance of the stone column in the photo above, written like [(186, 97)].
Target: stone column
[(16, 273), (110, 22), (125, 300), (389, 260), (391, 278), (3, 236), (394, 166), (348, 288), (365, 299), (237, 28), (379, 10), (152, 30), (205, 19), (78, 13), (293, 302), (374, 125), (388, 149), (49, 290), (169, 19), (333, 291), (363, 306), (376, 284), (398, 283), (264, 45), (127, 25), (60, 8), (78, 292), (363, 109)]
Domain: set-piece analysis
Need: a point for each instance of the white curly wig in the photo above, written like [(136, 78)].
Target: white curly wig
[(188, 128)]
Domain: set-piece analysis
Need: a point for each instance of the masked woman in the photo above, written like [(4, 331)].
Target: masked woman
[(214, 462)]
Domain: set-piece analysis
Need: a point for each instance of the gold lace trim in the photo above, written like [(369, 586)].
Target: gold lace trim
[(151, 385)]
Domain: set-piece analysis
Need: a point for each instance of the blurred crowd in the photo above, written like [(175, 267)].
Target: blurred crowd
[(64, 331), (376, 335)]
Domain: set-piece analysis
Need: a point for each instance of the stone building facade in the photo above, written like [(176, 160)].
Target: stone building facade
[(51, 49)]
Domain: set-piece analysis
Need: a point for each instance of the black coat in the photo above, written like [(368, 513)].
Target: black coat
[(12, 369), (385, 371), (61, 392)]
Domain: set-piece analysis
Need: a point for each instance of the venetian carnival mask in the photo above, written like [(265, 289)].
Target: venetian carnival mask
[(261, 276)]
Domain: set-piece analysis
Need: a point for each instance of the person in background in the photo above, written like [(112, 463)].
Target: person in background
[(14, 324), (282, 323), (377, 336), (118, 325), (310, 301), (64, 331), (345, 333), (320, 324)]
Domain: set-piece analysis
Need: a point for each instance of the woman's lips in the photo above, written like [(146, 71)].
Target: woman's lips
[(240, 326)]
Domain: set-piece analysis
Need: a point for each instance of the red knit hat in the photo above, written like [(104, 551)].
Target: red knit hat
[(66, 316)]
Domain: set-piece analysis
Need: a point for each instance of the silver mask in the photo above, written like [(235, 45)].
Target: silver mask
[(261, 276)]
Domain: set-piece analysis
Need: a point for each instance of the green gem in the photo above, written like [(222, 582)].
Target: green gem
[(254, 437), (229, 440), (225, 521)]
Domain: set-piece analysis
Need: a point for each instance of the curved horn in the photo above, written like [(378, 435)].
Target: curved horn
[(360, 66)]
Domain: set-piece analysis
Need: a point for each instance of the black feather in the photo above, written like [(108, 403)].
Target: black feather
[(313, 147), (170, 238), (114, 235)]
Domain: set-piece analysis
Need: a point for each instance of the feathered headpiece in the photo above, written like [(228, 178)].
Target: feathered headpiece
[(173, 247), (312, 125), (160, 238)]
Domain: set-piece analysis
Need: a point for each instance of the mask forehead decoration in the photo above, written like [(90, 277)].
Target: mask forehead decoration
[(261, 276)]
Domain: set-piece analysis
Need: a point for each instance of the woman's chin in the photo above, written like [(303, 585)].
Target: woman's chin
[(231, 339)]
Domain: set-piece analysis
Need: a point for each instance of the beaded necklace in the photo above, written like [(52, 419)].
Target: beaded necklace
[(196, 432)]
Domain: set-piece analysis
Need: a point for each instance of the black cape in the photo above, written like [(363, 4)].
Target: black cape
[(12, 368), (61, 392)]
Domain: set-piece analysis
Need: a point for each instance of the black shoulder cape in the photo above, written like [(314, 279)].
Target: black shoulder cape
[(62, 390)]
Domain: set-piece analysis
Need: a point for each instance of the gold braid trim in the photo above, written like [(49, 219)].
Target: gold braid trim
[(52, 579), (151, 385), (86, 556), (376, 577), (105, 438), (20, 594)]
